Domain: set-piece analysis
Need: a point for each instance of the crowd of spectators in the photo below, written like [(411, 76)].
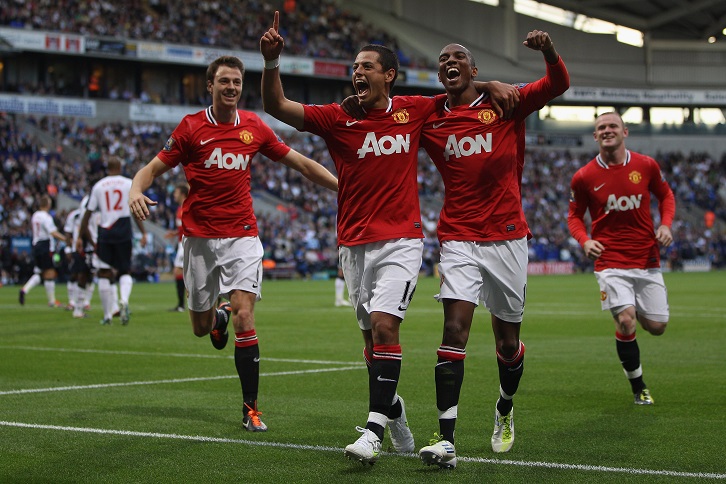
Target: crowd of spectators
[(313, 28), (299, 228)]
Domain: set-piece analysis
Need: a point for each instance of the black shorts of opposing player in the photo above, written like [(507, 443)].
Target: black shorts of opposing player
[(42, 256), (117, 255), (78, 264), (114, 245)]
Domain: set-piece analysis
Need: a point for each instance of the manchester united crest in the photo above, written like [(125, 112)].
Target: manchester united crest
[(246, 136), (400, 116), (603, 295), (487, 116), (635, 177)]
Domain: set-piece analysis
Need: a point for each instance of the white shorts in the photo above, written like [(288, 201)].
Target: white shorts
[(642, 288), (214, 267), (494, 273), (381, 276), (179, 258)]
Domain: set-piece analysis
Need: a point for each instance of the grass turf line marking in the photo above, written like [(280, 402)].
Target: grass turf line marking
[(161, 382), (176, 355), (282, 445)]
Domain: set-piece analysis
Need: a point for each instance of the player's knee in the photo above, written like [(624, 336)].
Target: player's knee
[(508, 347), (656, 328), (626, 322), (243, 319), (456, 333)]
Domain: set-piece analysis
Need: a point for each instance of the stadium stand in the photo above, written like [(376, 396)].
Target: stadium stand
[(316, 28), (300, 232)]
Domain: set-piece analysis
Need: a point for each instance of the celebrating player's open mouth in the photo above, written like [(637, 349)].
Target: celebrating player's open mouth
[(361, 87), (453, 74)]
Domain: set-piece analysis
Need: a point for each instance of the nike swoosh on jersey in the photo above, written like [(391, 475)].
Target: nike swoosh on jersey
[(599, 187), (438, 125), (205, 141), (350, 123)]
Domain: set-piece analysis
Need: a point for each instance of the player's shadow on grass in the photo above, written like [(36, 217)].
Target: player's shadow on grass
[(171, 412)]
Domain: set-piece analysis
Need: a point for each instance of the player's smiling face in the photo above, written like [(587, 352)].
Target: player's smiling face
[(227, 87), (610, 131), (455, 69), (369, 80)]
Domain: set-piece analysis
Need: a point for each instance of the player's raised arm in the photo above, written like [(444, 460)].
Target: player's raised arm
[(274, 101), (539, 40)]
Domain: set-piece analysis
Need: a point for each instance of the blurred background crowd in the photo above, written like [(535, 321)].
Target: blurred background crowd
[(296, 217)]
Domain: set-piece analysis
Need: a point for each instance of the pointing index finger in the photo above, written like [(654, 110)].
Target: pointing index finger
[(276, 22)]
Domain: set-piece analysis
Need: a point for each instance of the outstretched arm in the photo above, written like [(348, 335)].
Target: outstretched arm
[(310, 169), (138, 202), (274, 101)]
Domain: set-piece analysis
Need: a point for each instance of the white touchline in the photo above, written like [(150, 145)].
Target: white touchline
[(284, 445), (175, 355), (161, 382)]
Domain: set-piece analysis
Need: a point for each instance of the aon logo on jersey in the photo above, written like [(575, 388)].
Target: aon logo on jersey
[(623, 204), (227, 161), (467, 146), (387, 145)]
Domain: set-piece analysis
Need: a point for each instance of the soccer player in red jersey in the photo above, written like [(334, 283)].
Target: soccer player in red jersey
[(615, 188), (222, 250), (482, 230), (379, 220)]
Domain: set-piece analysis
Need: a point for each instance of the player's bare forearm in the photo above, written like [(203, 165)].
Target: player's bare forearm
[(138, 202), (274, 101), (310, 169)]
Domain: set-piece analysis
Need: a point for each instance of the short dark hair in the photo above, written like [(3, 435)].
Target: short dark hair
[(183, 189), (225, 60), (387, 58)]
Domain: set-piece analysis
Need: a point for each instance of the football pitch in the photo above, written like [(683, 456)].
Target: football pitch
[(150, 402)]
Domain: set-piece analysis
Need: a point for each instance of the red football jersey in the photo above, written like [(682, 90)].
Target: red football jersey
[(480, 157), (216, 159), (376, 159), (618, 198)]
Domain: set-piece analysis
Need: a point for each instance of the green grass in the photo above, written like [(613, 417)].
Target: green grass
[(174, 414)]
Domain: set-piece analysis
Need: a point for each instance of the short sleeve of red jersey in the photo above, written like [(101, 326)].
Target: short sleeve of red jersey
[(174, 151), (273, 147), (320, 119)]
